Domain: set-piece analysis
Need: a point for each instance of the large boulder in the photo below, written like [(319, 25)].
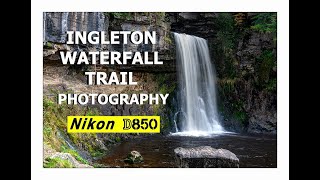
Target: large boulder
[(205, 157)]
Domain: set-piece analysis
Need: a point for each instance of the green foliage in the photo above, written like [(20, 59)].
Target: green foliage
[(226, 33), (168, 40), (49, 45), (227, 84), (271, 85), (225, 45), (156, 108), (152, 16), (265, 22), (57, 163), (233, 30), (241, 116), (160, 17), (266, 62), (238, 112), (55, 122), (76, 155), (118, 139), (47, 131), (92, 112), (47, 103), (166, 84), (122, 15), (96, 153)]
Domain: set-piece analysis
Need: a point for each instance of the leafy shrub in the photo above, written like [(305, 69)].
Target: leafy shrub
[(265, 22)]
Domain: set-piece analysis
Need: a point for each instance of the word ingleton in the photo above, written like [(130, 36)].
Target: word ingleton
[(96, 37)]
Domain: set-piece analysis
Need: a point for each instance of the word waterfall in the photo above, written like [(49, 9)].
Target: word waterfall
[(101, 57)]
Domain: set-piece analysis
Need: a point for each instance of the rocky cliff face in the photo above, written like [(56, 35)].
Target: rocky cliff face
[(57, 24)]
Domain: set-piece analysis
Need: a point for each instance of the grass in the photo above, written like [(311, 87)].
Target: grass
[(76, 155), (55, 122), (57, 163)]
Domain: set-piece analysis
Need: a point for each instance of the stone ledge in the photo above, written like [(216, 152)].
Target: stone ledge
[(205, 157)]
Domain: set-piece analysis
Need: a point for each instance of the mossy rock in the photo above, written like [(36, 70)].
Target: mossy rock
[(49, 45)]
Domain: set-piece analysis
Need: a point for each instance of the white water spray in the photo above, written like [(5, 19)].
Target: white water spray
[(197, 88)]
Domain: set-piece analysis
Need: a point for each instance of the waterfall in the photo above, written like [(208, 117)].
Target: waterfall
[(197, 88)]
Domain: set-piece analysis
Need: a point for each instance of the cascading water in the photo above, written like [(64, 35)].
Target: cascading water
[(197, 89)]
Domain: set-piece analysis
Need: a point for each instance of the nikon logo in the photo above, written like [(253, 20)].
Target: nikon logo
[(113, 124), (84, 123)]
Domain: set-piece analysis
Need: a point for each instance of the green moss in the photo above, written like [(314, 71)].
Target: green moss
[(168, 40), (160, 17), (47, 131), (241, 116), (96, 153), (47, 103), (92, 112), (49, 45), (76, 155), (156, 108), (266, 62), (167, 85), (117, 139), (55, 122), (238, 112), (227, 84), (57, 163), (121, 15), (271, 85)]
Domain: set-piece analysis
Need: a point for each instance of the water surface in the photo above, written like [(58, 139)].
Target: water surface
[(157, 150)]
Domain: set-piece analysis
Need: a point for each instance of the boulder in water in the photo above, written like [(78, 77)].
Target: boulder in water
[(134, 157), (205, 157)]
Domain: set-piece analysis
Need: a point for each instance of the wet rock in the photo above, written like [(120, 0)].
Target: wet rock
[(134, 157), (205, 157), (135, 109), (56, 24), (263, 122)]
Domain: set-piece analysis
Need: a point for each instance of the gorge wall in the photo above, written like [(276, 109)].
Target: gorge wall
[(243, 50)]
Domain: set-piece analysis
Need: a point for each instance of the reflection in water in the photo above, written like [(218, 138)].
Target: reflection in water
[(157, 150)]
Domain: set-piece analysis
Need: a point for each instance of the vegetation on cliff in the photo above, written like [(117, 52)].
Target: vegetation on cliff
[(244, 52), (56, 137)]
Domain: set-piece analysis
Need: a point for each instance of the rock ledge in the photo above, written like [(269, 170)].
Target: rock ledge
[(205, 157)]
